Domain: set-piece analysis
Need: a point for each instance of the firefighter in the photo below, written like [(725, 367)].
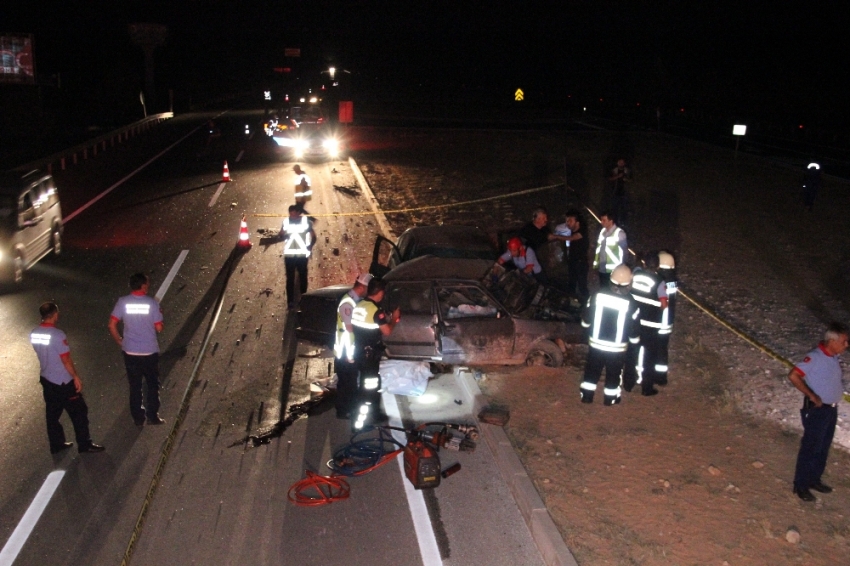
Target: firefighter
[(611, 248), (346, 369), (523, 259), (667, 271), (611, 315), (642, 360), (299, 237), (370, 324)]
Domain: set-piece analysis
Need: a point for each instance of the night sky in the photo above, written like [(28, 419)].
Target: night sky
[(769, 59)]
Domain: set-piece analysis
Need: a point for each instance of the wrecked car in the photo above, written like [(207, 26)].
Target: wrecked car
[(459, 311)]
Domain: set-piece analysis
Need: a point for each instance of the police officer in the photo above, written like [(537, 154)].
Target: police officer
[(141, 317), (611, 248), (818, 377), (667, 272), (299, 238), (303, 188), (61, 385), (346, 369), (370, 324), (649, 291), (611, 315)]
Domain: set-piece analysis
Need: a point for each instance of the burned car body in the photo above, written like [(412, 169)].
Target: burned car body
[(458, 311)]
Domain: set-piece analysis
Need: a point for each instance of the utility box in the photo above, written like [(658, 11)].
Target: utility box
[(346, 111)]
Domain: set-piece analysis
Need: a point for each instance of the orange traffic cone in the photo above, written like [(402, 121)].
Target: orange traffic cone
[(244, 242), (225, 177)]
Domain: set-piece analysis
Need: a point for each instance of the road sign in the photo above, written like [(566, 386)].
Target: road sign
[(519, 96)]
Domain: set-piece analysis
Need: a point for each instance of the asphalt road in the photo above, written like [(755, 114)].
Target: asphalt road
[(216, 501)]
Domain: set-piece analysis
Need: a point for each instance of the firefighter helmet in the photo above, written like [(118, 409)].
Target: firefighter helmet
[(666, 261), (514, 244), (621, 276)]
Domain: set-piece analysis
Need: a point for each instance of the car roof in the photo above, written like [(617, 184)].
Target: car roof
[(430, 268)]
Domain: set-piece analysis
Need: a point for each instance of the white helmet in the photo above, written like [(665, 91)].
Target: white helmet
[(621, 276), (666, 261)]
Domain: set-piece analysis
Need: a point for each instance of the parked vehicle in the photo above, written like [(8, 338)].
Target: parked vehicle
[(30, 222), (459, 311)]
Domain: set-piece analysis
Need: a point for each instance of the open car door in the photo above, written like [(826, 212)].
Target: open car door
[(385, 256)]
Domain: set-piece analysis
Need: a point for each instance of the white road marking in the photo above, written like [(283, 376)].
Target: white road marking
[(217, 193), (428, 549), (119, 183), (238, 157), (22, 531), (163, 289)]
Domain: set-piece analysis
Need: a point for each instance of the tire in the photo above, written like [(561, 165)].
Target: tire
[(545, 353), (56, 239)]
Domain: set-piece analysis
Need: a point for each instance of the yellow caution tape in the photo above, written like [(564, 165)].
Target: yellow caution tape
[(421, 208)]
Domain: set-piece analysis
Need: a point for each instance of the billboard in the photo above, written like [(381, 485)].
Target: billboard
[(17, 64)]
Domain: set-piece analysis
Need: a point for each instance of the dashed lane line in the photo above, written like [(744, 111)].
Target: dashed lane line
[(22, 531)]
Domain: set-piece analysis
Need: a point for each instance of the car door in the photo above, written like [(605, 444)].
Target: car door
[(413, 337), (32, 232), (473, 327), (385, 256)]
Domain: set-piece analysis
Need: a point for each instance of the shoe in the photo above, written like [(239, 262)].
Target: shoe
[(649, 392), (611, 402), (821, 488), (661, 382), (92, 448), (804, 494), (61, 447), (156, 420)]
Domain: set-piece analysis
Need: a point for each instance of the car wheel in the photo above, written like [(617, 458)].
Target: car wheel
[(545, 353), (56, 239)]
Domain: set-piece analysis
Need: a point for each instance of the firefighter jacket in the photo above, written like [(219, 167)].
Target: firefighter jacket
[(648, 289), (612, 320), (344, 343), (298, 237), (672, 286), (612, 247)]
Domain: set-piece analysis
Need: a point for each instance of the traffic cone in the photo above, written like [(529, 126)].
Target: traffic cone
[(244, 242), (225, 177)]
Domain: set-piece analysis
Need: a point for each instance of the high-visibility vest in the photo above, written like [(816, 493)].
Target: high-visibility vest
[(645, 291), (344, 344), (363, 315), (614, 254), (303, 187), (612, 322), (297, 237)]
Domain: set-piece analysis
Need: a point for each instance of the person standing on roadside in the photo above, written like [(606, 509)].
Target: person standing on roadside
[(818, 377), (811, 185), (536, 233), (667, 272), (141, 318), (303, 188), (620, 175), (346, 368), (650, 292), (577, 246), (60, 383), (611, 248), (299, 238)]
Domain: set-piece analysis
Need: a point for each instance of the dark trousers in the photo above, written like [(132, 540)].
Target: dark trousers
[(663, 359), (641, 360), (346, 386), (147, 368), (368, 363), (577, 282), (293, 264), (612, 363), (818, 430), (58, 398)]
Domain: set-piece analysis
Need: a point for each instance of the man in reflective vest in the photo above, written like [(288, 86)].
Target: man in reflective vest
[(370, 324), (667, 271), (642, 363), (611, 248), (303, 188), (299, 237), (611, 315), (141, 317), (60, 383), (346, 369)]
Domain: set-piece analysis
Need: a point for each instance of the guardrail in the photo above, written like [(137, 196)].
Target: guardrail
[(73, 155)]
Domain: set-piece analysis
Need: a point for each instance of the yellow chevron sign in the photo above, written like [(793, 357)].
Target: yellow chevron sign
[(519, 95)]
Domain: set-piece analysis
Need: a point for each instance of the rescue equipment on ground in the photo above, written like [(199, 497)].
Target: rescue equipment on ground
[(225, 176)]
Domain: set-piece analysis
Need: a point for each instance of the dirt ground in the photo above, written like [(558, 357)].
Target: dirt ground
[(700, 474)]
